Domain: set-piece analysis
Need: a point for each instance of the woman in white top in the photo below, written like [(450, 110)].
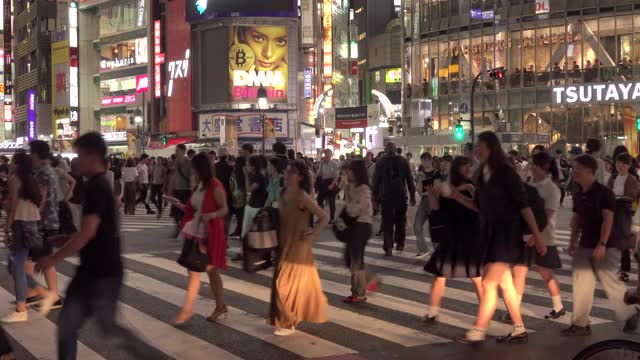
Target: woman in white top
[(359, 216), (21, 234), (544, 178), (129, 176)]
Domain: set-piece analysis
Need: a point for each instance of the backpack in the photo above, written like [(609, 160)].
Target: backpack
[(537, 205)]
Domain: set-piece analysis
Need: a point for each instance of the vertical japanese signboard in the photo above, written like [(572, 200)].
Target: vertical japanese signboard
[(31, 114), (158, 59)]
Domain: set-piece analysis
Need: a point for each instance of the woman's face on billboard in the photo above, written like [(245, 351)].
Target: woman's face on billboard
[(269, 44)]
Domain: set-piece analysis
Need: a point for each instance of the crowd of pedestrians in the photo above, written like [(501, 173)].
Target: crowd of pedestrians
[(488, 216)]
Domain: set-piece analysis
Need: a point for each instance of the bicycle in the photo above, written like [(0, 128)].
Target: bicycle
[(616, 349)]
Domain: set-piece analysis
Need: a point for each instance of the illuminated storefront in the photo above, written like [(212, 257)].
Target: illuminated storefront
[(540, 52), (260, 52)]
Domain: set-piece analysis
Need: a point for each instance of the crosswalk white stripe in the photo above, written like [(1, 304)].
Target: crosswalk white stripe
[(38, 334), (162, 336), (303, 344), (598, 302), (366, 324), (447, 317)]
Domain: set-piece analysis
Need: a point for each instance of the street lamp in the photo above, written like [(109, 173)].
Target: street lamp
[(263, 104), (138, 119)]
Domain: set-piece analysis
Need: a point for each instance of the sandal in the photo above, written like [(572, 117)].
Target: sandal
[(224, 312)]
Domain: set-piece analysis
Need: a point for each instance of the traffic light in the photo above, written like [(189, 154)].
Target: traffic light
[(458, 133), (638, 122), (497, 73), (164, 140)]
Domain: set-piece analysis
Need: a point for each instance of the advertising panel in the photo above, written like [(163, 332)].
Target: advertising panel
[(213, 9), (351, 117), (542, 6), (307, 10), (308, 83), (327, 42), (178, 75), (248, 125), (258, 57), (31, 114)]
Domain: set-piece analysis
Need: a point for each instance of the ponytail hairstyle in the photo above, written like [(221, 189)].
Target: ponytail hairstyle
[(546, 162)]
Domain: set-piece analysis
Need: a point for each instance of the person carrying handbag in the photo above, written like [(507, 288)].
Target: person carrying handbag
[(21, 234), (205, 241)]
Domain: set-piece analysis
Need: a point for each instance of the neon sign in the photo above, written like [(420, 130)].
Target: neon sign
[(31, 114), (610, 92), (178, 69), (158, 59)]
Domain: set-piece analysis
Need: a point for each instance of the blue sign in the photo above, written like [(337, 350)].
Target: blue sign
[(308, 81), (31, 114), (479, 14), (198, 10)]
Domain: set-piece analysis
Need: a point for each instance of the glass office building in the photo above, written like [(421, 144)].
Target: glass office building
[(568, 43)]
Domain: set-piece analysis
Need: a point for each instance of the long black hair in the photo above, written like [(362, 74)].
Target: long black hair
[(497, 159), (619, 150), (29, 189), (360, 173), (456, 178), (546, 162), (202, 166), (301, 169)]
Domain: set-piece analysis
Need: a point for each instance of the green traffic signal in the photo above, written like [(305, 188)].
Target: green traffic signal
[(164, 141), (458, 134), (638, 122)]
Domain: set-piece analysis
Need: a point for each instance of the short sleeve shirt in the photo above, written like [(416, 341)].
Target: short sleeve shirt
[(183, 175), (328, 169), (101, 257), (550, 193), (47, 179), (589, 205)]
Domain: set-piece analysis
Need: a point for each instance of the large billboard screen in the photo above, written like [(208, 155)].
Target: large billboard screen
[(213, 9), (258, 56)]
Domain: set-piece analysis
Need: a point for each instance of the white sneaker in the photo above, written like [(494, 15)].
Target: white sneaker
[(284, 331), (14, 317)]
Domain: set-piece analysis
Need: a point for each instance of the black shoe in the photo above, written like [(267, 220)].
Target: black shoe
[(399, 247), (513, 339), (623, 276), (430, 320), (151, 212), (555, 314), (575, 330), (631, 325), (388, 253)]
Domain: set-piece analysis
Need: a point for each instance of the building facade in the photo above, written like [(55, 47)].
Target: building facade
[(33, 26), (541, 45)]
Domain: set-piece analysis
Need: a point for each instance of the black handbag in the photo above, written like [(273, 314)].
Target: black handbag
[(192, 258), (28, 234), (349, 221)]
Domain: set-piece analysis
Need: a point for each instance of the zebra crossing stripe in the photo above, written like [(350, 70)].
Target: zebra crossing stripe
[(162, 336), (366, 324), (304, 345), (38, 334)]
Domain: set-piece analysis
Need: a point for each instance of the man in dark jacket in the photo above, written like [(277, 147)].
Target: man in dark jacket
[(223, 172), (240, 175), (391, 180)]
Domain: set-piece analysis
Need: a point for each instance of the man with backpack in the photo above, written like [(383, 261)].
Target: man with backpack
[(391, 180)]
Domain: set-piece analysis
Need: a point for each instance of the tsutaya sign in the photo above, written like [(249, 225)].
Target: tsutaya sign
[(594, 93)]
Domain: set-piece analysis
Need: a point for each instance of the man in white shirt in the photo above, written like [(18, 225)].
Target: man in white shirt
[(327, 181), (143, 182)]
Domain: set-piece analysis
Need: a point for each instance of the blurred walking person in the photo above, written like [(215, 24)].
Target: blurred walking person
[(203, 225), (181, 181), (427, 176), (297, 292), (327, 182), (130, 176), (501, 200), (21, 234), (95, 288), (459, 253)]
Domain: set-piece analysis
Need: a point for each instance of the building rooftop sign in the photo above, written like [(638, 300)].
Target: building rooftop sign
[(596, 93)]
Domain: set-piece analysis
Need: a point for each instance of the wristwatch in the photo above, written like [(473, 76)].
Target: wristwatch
[(602, 243)]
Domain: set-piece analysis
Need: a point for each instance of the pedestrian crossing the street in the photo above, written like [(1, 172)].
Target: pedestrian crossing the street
[(390, 320), (142, 221)]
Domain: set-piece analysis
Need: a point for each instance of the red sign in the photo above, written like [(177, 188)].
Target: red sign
[(157, 85), (354, 67), (118, 100), (142, 83)]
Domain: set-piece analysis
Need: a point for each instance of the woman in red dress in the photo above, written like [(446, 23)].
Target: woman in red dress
[(204, 222)]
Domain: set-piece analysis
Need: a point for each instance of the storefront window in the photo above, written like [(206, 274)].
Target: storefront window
[(515, 59), (465, 65), (433, 68), (121, 18), (529, 57), (132, 52), (454, 67), (443, 71), (543, 55), (624, 30), (636, 46), (558, 53), (476, 55), (558, 124), (116, 87)]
